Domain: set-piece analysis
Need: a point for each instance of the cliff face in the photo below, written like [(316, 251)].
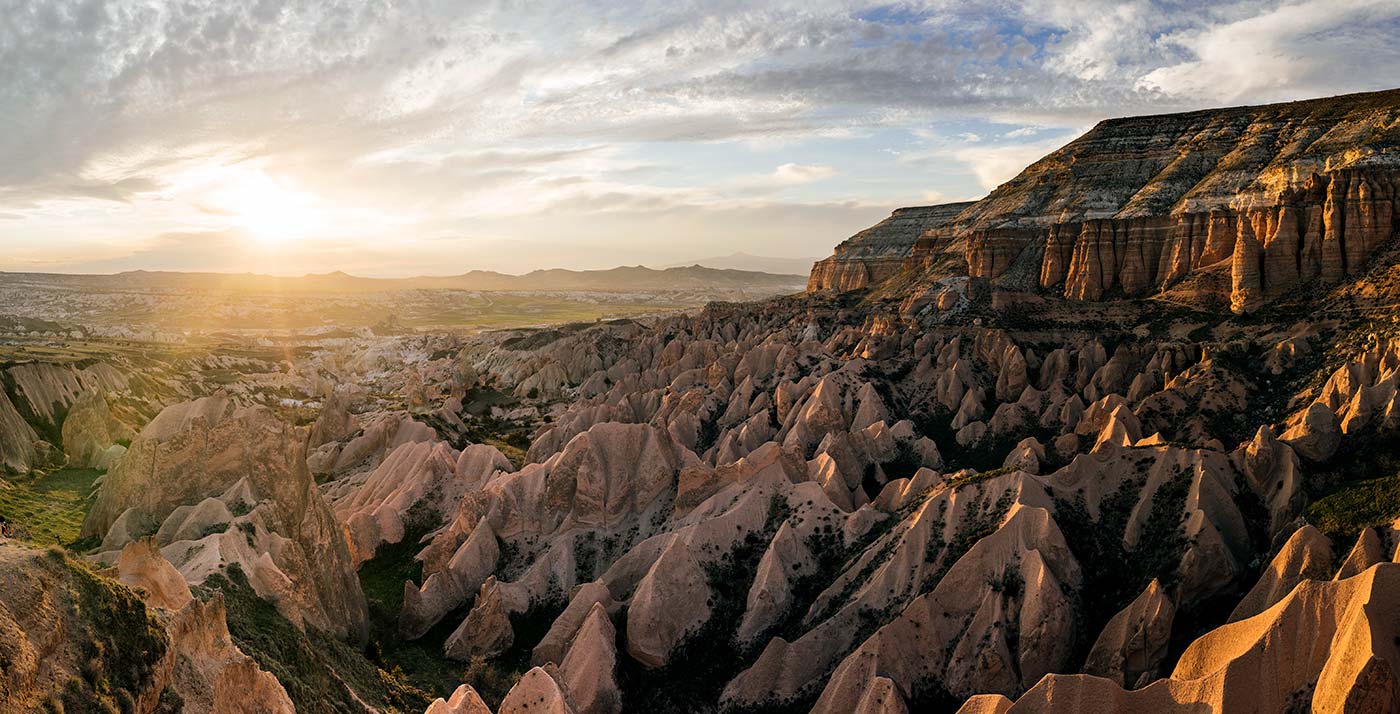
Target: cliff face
[(874, 254), (1286, 193)]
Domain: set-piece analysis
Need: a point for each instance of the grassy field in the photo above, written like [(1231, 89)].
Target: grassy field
[(1358, 489), (49, 508), (1356, 506), (421, 309)]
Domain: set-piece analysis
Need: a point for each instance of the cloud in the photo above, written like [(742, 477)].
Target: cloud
[(412, 115), (1296, 48), (994, 165), (790, 174)]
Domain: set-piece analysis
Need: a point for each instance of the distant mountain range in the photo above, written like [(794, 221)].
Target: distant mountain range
[(620, 279), (760, 263)]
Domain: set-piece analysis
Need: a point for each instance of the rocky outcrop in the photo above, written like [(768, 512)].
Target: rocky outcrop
[(220, 485), (876, 253), (1307, 555), (1326, 647), (141, 566), (90, 430), (671, 602), (46, 391), (207, 670), (464, 700), (588, 668), (19, 444), (1271, 196), (538, 692), (415, 488), (335, 423), (614, 481), (53, 611), (1133, 645), (368, 446), (73, 639)]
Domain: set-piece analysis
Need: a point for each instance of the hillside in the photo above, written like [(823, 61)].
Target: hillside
[(760, 263), (621, 279), (928, 484), (1265, 199)]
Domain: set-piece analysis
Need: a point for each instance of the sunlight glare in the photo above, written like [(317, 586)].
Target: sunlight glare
[(266, 209)]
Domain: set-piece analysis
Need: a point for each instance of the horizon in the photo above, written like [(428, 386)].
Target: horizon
[(390, 142), (371, 276), (823, 357)]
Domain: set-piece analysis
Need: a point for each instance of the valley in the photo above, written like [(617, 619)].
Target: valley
[(1120, 437)]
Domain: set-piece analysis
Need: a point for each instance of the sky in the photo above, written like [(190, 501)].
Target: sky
[(433, 137)]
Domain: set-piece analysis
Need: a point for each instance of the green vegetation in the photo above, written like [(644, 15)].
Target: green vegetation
[(382, 580), (48, 509), (708, 657), (1357, 506), (320, 673), (118, 641), (420, 663), (512, 442), (884, 533), (974, 525), (511, 439), (958, 482), (493, 678), (985, 454), (479, 400), (1359, 488), (1118, 575)]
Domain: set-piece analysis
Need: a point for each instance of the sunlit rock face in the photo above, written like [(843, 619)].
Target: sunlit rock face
[(220, 485), (1347, 662), (987, 482), (134, 631), (1239, 206), (873, 255)]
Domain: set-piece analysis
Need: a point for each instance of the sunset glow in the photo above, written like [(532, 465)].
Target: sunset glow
[(267, 210), (412, 138)]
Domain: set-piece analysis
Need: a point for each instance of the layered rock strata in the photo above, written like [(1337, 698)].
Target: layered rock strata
[(1270, 197), (876, 253)]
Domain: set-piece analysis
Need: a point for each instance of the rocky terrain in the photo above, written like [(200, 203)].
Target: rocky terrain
[(875, 254), (1236, 207), (951, 477)]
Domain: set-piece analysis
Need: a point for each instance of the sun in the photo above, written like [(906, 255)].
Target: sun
[(267, 210)]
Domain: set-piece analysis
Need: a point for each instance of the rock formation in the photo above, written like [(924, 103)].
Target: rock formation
[(221, 485), (90, 430), (1270, 196), (819, 519), (873, 255), (19, 451), (76, 639), (1327, 647)]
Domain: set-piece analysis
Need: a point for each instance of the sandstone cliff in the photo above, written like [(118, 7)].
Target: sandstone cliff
[(874, 254), (1267, 198)]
